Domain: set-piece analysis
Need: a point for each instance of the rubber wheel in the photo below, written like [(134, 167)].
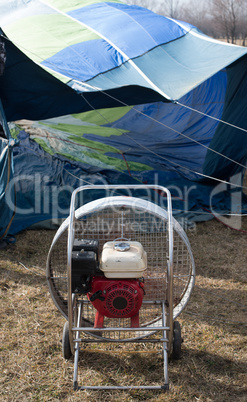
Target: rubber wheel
[(65, 342), (177, 341)]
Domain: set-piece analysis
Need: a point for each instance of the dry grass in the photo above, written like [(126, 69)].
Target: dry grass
[(213, 365)]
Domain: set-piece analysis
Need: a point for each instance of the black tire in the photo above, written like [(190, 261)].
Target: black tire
[(65, 342), (177, 341)]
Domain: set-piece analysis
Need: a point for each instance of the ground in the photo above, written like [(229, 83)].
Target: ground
[(213, 366)]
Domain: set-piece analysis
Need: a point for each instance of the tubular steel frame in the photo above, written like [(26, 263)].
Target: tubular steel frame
[(75, 304), (165, 309)]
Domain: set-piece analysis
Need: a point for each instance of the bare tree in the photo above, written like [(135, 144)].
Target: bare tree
[(227, 16), (243, 30), (170, 8), (242, 23), (198, 15)]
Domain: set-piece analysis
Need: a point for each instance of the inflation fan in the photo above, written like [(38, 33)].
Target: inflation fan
[(120, 269)]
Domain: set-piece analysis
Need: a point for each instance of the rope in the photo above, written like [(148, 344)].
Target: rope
[(211, 117)]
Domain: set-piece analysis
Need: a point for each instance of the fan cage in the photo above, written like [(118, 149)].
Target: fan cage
[(121, 221)]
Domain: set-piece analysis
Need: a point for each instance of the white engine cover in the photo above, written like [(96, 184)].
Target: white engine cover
[(128, 263)]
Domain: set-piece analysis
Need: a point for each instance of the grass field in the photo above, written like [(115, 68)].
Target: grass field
[(213, 366)]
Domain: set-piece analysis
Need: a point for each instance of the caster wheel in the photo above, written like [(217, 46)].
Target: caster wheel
[(65, 342), (177, 341)]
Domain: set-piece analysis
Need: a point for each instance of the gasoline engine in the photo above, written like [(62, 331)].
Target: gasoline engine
[(112, 281)]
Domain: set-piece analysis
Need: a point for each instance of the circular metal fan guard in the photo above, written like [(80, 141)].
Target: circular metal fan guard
[(135, 219)]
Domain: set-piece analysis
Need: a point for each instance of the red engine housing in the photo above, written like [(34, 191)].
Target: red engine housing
[(116, 298)]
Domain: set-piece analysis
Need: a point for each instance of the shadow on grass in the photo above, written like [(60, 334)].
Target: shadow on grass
[(211, 375), (205, 374)]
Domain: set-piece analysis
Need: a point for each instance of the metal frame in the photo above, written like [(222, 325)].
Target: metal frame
[(76, 308), (167, 307), (98, 206), (164, 340)]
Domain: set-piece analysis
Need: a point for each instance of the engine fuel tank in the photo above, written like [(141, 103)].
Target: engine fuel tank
[(123, 259)]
